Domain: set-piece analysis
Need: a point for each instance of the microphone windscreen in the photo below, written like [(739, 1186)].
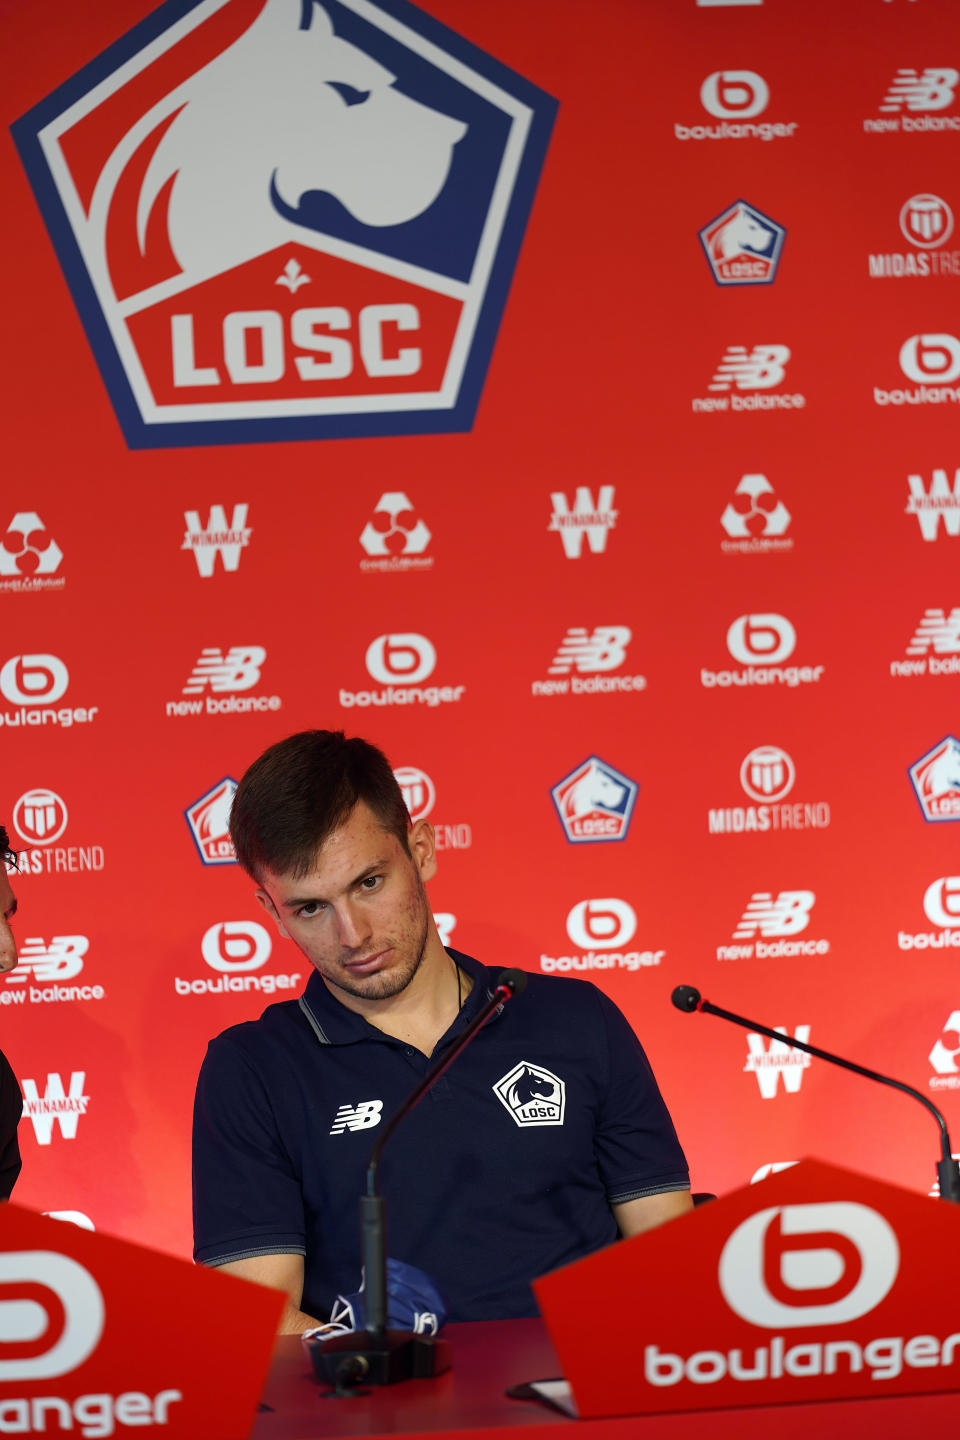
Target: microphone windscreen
[(515, 980), (685, 997)]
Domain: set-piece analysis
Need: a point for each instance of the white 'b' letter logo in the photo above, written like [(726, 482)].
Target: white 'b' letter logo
[(34, 679), (734, 94), (767, 638), (941, 901), (808, 1265), (236, 945), (931, 357), (601, 923), (25, 1315), (401, 659)]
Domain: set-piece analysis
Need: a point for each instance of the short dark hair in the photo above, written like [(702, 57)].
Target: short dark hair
[(302, 789), (10, 856)]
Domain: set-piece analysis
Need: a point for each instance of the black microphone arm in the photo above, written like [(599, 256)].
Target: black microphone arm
[(687, 998), (376, 1355)]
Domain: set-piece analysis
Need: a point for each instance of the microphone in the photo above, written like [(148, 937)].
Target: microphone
[(376, 1355), (688, 999)]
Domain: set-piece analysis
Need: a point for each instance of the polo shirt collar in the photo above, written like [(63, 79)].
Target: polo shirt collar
[(334, 1024)]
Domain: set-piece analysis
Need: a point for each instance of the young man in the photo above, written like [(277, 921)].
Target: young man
[(545, 1140), (11, 1101)]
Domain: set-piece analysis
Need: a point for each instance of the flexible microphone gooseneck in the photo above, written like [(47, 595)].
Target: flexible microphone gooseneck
[(687, 998), (376, 1355)]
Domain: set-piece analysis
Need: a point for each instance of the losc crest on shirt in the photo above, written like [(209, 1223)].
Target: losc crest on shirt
[(287, 219)]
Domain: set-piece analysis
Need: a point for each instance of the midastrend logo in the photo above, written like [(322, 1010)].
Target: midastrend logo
[(40, 820), (419, 796), (926, 223), (767, 775), (289, 221)]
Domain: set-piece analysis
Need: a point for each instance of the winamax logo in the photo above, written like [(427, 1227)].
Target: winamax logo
[(583, 662), (40, 820), (29, 557), (583, 519), (935, 503), (773, 1061), (56, 1108), (33, 684), (600, 929), (595, 802), (932, 362), (778, 919), (767, 775), (208, 820), (398, 663), (926, 223), (395, 536), (769, 639), (915, 101), (743, 245), (935, 647), (735, 98), (943, 1056), (289, 220), (745, 379), (941, 905), (42, 968), (935, 778), (226, 674), (219, 536), (419, 796), (755, 519), (234, 949)]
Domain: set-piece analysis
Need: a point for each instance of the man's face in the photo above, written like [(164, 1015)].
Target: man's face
[(8, 907), (361, 916)]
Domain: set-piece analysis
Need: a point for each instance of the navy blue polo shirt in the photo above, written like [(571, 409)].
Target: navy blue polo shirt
[(504, 1171)]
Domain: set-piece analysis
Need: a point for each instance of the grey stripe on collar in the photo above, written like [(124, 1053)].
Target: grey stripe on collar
[(314, 1022)]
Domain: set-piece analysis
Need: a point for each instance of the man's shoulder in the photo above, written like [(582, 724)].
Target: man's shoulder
[(279, 1026)]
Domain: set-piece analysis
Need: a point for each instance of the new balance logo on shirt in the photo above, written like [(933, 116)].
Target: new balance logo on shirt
[(362, 1116)]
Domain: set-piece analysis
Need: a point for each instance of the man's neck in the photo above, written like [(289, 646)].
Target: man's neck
[(421, 1013)]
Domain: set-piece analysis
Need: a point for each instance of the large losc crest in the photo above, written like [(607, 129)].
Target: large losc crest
[(288, 219)]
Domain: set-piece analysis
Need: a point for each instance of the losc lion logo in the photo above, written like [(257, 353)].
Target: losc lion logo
[(288, 219)]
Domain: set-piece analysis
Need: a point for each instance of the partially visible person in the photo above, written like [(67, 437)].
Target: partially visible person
[(11, 1101)]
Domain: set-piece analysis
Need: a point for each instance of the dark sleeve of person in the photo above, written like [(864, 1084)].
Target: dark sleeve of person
[(11, 1108), (246, 1192), (637, 1147)]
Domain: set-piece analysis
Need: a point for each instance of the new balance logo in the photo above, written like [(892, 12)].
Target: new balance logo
[(239, 669), (788, 914), (775, 1060), (937, 631), (62, 959), (55, 1106), (936, 504), (583, 518), (931, 89), (218, 537), (603, 649), (758, 369), (362, 1116)]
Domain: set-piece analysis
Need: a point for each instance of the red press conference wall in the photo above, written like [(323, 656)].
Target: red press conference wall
[(564, 397)]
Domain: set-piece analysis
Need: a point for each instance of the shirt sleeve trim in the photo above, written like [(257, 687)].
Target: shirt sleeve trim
[(253, 1254), (619, 1198)]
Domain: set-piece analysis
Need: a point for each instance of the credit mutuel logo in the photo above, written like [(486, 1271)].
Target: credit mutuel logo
[(289, 221)]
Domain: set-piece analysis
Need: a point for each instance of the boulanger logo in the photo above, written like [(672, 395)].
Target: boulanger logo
[(926, 223), (294, 227), (208, 820), (583, 519), (395, 537), (532, 1095), (774, 1061), (744, 378), (34, 682), (756, 519), (595, 802), (599, 928), (778, 920), (943, 1056), (935, 778), (914, 102), (932, 362), (767, 775), (69, 1302), (938, 501), (934, 648), (56, 1106), (219, 536), (229, 674), (40, 817), (766, 638), (234, 949), (735, 98), (584, 660), (399, 662), (743, 245), (941, 905), (802, 1265), (29, 556)]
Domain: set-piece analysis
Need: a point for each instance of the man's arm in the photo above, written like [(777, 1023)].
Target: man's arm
[(635, 1216), (279, 1272)]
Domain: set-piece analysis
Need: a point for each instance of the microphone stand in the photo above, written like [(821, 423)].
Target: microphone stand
[(377, 1355), (688, 999)]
